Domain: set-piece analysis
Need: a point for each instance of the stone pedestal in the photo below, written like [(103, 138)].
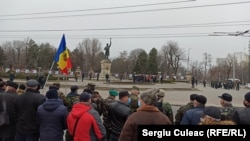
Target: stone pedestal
[(105, 68), (188, 76)]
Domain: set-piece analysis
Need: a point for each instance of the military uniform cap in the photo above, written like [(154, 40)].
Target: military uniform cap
[(91, 84)]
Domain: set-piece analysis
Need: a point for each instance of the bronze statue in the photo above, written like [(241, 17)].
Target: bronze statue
[(107, 50)]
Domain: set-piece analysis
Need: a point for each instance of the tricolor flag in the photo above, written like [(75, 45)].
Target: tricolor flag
[(62, 57)]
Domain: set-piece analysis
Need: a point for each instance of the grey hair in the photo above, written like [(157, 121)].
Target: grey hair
[(150, 96)]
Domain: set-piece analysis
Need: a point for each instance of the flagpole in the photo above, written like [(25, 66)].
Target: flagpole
[(48, 74)]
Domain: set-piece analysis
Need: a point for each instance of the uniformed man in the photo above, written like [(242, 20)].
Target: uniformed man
[(133, 100)]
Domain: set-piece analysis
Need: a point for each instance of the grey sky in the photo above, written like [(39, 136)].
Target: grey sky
[(218, 46)]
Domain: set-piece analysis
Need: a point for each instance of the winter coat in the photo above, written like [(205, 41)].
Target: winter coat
[(9, 130), (118, 114), (192, 116), (146, 115), (52, 116), (89, 126), (242, 116), (26, 107)]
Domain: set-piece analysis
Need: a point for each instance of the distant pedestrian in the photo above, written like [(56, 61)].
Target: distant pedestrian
[(97, 76), (12, 76), (82, 76)]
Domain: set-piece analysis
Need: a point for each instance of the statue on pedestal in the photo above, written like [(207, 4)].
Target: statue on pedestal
[(107, 50)]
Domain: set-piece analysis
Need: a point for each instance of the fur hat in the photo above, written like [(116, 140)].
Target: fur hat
[(201, 99), (123, 93), (150, 96), (226, 97), (247, 96), (12, 84), (161, 93), (213, 112), (192, 96)]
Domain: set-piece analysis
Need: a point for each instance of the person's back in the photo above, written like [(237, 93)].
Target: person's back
[(227, 108), (241, 116), (26, 107), (52, 116), (8, 131), (105, 108), (84, 121), (164, 107), (118, 114), (192, 116), (147, 114), (180, 112)]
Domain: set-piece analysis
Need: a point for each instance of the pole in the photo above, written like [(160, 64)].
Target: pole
[(188, 60), (48, 74), (233, 66)]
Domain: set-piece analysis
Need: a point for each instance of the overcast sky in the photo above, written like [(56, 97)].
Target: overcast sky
[(130, 23)]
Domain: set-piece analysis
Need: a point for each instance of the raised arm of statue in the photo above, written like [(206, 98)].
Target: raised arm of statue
[(107, 49)]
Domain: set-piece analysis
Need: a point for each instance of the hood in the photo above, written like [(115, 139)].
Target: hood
[(51, 104), (79, 109)]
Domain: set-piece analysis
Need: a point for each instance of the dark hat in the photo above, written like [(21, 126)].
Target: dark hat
[(201, 99), (53, 87), (84, 97), (113, 92), (135, 88), (31, 83), (123, 93), (88, 91), (247, 96), (52, 94), (150, 96), (213, 112), (57, 83), (22, 87), (226, 97), (1, 79), (74, 88), (12, 84), (2, 83), (192, 96)]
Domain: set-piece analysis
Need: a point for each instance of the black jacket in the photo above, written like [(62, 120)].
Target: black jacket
[(9, 130), (118, 113), (26, 107)]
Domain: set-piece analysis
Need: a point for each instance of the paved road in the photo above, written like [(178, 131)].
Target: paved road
[(176, 94)]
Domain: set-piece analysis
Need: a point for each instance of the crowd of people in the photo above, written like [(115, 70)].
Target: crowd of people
[(84, 115)]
